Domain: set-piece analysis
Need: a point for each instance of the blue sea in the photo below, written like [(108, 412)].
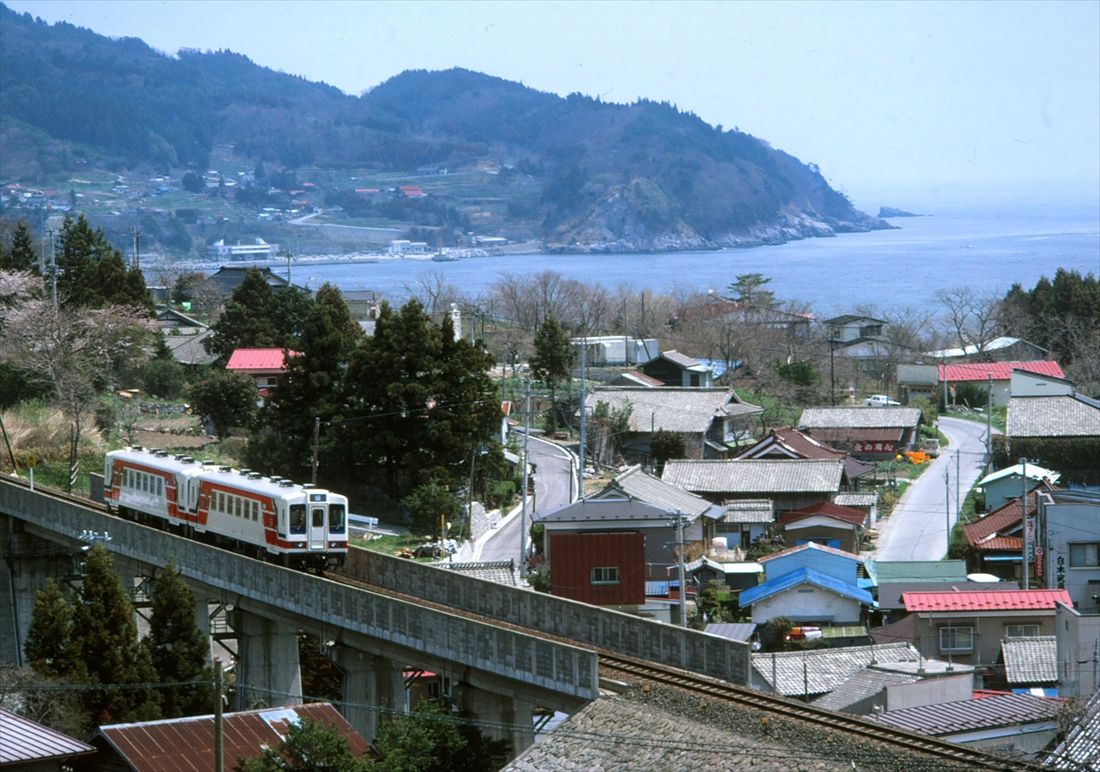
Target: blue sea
[(987, 247)]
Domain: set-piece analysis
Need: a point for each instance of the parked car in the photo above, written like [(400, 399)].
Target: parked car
[(879, 400)]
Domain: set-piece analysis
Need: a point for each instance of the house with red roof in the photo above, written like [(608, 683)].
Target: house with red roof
[(264, 365), (824, 523), (1000, 373), (968, 626)]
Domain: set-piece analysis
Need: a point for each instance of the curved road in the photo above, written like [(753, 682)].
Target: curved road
[(917, 529), (554, 483)]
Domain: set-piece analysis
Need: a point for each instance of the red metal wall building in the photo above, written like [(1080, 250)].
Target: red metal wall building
[(581, 563)]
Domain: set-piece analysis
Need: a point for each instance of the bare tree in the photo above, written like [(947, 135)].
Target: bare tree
[(434, 293), (972, 318)]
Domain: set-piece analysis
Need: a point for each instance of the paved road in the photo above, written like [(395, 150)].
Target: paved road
[(554, 484), (917, 528)]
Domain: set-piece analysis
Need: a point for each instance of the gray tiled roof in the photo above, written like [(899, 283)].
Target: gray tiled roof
[(188, 349), (968, 715), (1030, 660), (1063, 416), (862, 685), (499, 571), (817, 671), (668, 408), (594, 509), (755, 475), (1081, 748), (653, 490), (859, 417), (749, 511), (856, 499)]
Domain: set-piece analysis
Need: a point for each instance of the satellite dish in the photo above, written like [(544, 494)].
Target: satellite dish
[(982, 578)]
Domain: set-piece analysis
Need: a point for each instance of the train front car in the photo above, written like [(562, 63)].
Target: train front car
[(316, 528)]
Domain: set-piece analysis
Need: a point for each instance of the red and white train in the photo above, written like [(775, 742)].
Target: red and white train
[(267, 517)]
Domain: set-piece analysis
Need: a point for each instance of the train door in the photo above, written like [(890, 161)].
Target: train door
[(318, 539)]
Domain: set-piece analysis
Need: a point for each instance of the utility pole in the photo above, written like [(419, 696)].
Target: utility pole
[(680, 568), (526, 483), (958, 493), (832, 373), (53, 272), (1023, 514), (135, 239), (316, 441), (580, 466), (989, 422), (947, 508), (219, 729)]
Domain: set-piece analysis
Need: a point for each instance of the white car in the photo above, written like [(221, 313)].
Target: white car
[(880, 400)]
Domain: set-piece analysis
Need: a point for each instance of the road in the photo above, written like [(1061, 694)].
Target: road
[(917, 529), (554, 484)]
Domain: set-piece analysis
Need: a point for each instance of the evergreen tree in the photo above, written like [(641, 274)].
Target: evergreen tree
[(307, 747), (179, 651), (92, 273), (248, 320), (292, 307), (434, 738), (48, 647), (227, 399), (104, 637), (21, 255), (553, 359)]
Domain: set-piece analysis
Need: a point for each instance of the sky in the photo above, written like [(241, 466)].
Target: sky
[(963, 98)]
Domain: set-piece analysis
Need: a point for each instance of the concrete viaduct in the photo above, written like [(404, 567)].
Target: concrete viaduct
[(497, 673)]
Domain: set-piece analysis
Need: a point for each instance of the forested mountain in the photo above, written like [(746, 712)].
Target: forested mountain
[(603, 176)]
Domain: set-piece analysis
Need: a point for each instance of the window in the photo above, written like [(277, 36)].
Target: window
[(318, 517), (1021, 631), (1084, 555), (605, 575), (336, 518), (297, 518), (956, 639)]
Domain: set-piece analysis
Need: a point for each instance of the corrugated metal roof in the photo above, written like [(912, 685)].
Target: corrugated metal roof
[(862, 685), (757, 476), (1006, 518), (859, 418), (653, 490), (735, 631), (668, 408), (1034, 472), (25, 741), (817, 671), (1001, 371), (187, 744), (259, 359), (920, 570), (801, 576), (1061, 416), (1031, 660), (985, 600), (970, 715)]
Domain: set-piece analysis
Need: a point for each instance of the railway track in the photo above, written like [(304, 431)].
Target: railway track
[(611, 663)]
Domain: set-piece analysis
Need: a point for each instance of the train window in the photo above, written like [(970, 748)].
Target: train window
[(336, 518), (236, 507), (318, 517), (297, 518)]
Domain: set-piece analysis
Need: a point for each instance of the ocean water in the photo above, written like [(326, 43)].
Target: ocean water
[(987, 249)]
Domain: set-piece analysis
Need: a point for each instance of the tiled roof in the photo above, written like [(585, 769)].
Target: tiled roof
[(1081, 748), (845, 435), (594, 509), (862, 684), (683, 360), (188, 349), (856, 499), (825, 509), (789, 441), (186, 744), (23, 741), (801, 576), (669, 408), (812, 546), (1001, 544), (817, 671), (653, 490), (765, 476), (499, 571), (1001, 371), (1060, 416), (970, 715), (859, 417), (258, 359), (985, 600), (998, 521), (749, 511), (1030, 660)]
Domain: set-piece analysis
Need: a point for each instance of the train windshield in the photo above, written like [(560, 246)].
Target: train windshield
[(336, 518), (297, 518)]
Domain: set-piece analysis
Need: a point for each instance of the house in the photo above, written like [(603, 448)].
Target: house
[(815, 672), (824, 523), (709, 420), (264, 365), (1050, 421), (743, 522), (848, 329), (151, 746), (807, 596), (872, 433), (895, 685), (1020, 724), (788, 442), (863, 341), (999, 373), (27, 746), (996, 540), (838, 564), (613, 350), (224, 282), (184, 336), (638, 484), (1007, 484), (402, 247), (1000, 349), (257, 250), (675, 369), (411, 191), (894, 578), (866, 501), (1070, 541), (1078, 659), (968, 626), (789, 484)]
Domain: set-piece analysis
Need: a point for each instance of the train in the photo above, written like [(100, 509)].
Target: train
[(270, 518)]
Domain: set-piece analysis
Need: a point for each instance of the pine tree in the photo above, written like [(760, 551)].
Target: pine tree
[(21, 255), (92, 273), (48, 647), (553, 359), (179, 651), (292, 307), (247, 321), (104, 637)]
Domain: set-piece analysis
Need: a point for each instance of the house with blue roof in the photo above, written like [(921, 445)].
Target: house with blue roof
[(807, 596), (838, 564)]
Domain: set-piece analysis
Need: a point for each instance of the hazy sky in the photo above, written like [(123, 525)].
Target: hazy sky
[(884, 96)]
